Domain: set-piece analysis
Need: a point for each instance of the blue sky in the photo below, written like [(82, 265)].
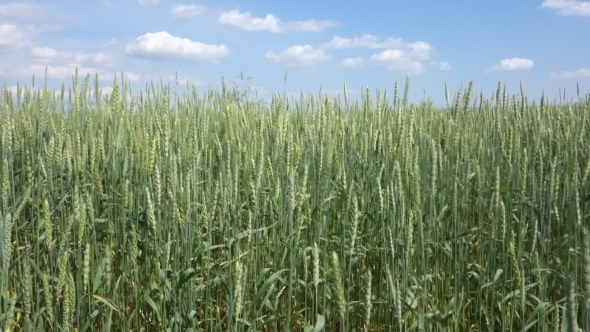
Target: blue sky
[(545, 44)]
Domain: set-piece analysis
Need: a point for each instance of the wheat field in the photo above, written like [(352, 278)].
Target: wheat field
[(214, 211)]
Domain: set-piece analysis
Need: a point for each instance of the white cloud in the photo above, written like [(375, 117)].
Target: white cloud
[(271, 23), (61, 72), (107, 3), (512, 64), (132, 77), (65, 71), (579, 73), (300, 56), (351, 62), (112, 41), (45, 54), (247, 22), (15, 10), (568, 7), (19, 36), (35, 29), (13, 36), (184, 12), (409, 60), (365, 41), (163, 46), (397, 55), (148, 2), (60, 64), (443, 65)]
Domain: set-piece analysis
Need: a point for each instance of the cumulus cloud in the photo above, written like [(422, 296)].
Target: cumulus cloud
[(512, 64), (60, 71), (112, 41), (62, 64), (568, 7), (16, 36), (43, 52), (13, 36), (579, 73), (65, 71), (21, 24), (148, 2), (185, 12), (443, 65), (46, 54), (271, 23), (397, 54), (409, 59), (365, 41), (19, 11), (162, 46), (351, 62), (299, 56)]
